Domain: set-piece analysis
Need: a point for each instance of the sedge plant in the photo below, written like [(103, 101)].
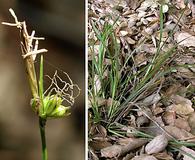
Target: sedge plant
[(46, 104), (116, 84), (116, 79)]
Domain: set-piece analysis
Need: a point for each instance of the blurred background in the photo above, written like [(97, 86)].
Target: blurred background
[(62, 24)]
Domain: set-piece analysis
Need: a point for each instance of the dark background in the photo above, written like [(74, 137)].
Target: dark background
[(62, 24)]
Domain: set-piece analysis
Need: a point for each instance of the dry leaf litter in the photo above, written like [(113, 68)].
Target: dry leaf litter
[(164, 114)]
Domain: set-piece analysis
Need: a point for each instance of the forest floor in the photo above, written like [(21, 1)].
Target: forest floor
[(141, 83)]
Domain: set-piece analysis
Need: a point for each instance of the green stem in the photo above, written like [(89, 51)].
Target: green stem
[(42, 123)]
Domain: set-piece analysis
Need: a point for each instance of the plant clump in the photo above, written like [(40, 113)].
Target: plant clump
[(141, 79)]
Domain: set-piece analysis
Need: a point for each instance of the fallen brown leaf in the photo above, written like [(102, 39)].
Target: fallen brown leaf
[(185, 72), (112, 151), (144, 157), (129, 156), (181, 106), (119, 150), (177, 132), (142, 120), (185, 39), (180, 4), (173, 89), (157, 145), (163, 156), (152, 99), (99, 102), (182, 123), (187, 152), (157, 110), (99, 143), (140, 59), (191, 121), (182, 109), (169, 117)]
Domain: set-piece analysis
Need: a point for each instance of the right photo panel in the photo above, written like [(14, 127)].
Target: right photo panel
[(141, 79)]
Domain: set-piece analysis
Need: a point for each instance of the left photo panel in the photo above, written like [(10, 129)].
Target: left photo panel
[(42, 80)]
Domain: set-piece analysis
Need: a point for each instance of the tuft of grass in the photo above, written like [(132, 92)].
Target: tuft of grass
[(104, 76), (116, 79), (116, 83), (119, 84)]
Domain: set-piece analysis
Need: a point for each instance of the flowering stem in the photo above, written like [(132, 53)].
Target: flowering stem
[(44, 106), (42, 123)]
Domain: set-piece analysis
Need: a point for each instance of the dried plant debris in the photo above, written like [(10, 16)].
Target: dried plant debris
[(119, 150), (184, 151), (141, 57), (144, 157), (157, 145)]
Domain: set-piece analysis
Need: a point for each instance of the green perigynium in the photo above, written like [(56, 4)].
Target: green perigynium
[(52, 107), (50, 103)]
